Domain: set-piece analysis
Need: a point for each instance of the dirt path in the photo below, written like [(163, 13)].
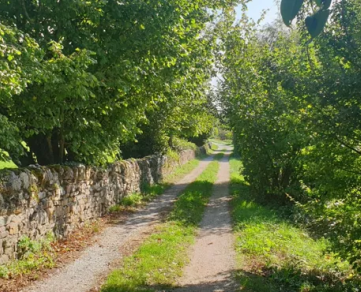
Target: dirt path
[(213, 256), (96, 261)]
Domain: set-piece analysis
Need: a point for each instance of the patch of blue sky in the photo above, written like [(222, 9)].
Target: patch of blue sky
[(256, 7)]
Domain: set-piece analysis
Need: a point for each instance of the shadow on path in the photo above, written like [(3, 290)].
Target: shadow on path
[(213, 256)]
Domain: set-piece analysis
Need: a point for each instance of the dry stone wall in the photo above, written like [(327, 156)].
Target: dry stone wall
[(37, 200)]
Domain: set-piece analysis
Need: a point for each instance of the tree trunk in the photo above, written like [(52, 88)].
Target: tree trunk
[(50, 146)]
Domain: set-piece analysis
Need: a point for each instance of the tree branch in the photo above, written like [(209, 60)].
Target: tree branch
[(25, 11)]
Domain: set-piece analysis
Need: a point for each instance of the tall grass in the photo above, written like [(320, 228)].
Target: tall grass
[(275, 255)]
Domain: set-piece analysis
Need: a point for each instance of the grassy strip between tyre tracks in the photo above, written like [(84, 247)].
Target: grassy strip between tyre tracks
[(160, 259), (275, 255)]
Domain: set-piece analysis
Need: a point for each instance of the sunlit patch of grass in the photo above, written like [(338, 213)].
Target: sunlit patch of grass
[(7, 164), (181, 171), (214, 147), (34, 255), (149, 192), (160, 259), (221, 142), (132, 201), (274, 255)]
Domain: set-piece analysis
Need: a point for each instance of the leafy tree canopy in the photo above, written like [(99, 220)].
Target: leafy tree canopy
[(104, 65)]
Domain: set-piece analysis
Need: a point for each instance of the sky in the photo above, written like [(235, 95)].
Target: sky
[(255, 8)]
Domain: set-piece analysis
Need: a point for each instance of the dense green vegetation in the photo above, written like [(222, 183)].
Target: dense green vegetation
[(92, 81), (160, 259), (87, 80), (295, 110), (274, 254)]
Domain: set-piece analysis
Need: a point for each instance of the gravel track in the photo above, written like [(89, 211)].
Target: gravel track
[(213, 255), (96, 261)]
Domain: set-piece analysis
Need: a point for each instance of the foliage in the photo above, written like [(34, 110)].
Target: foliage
[(181, 144), (222, 133), (19, 66), (33, 255), (262, 140), (214, 147), (294, 108), (7, 165), (201, 139), (134, 200), (159, 260), (275, 255), (129, 201), (52, 116), (316, 22), (94, 75)]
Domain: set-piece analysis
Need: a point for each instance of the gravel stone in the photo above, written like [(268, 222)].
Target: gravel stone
[(213, 256)]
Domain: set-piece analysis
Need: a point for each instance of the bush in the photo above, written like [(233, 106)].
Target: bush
[(182, 144)]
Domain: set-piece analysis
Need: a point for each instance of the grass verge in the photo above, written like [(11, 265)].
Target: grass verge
[(34, 255), (274, 255), (160, 259), (181, 171)]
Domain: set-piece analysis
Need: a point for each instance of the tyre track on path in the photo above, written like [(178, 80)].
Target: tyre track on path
[(213, 256), (96, 261)]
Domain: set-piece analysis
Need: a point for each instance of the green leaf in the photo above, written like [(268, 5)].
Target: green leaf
[(316, 23), (326, 4), (289, 10), (323, 3)]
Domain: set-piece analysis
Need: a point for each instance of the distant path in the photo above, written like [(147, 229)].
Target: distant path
[(213, 255), (95, 262)]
